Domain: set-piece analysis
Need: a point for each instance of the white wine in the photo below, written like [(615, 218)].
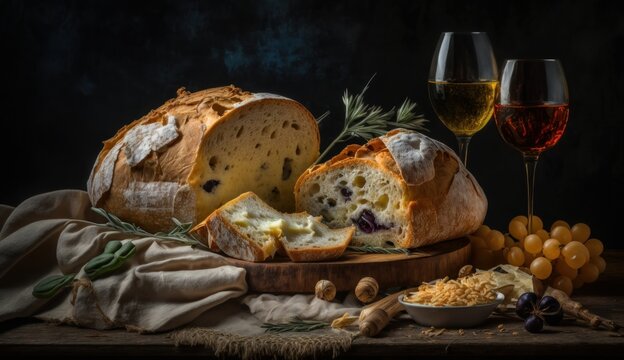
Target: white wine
[(464, 108)]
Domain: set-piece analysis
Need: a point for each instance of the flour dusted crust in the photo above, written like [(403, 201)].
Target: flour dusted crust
[(198, 151), (404, 188)]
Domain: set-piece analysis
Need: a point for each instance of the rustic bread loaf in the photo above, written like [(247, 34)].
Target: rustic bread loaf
[(403, 189), (247, 228), (200, 150)]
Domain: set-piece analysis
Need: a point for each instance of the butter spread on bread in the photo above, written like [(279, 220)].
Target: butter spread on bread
[(249, 229)]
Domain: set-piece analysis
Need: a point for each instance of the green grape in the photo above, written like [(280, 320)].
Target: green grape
[(595, 247), (477, 242), (580, 232), (575, 254), (551, 249), (563, 269), (537, 224), (533, 244), (599, 262), (515, 256), (589, 273), (559, 223), (523, 219), (563, 283), (541, 268), (482, 231), (509, 241), (543, 234), (562, 234), (517, 229), (495, 240)]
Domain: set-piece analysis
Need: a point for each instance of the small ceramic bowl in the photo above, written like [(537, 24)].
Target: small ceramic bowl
[(458, 317)]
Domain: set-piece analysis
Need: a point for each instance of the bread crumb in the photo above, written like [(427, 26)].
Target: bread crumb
[(501, 328), (431, 332), (460, 332), (515, 333)]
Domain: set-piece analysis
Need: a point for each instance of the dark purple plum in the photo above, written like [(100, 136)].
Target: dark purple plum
[(533, 324), (551, 310), (526, 304)]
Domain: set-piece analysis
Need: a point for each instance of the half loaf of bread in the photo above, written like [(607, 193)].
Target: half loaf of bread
[(200, 150), (247, 228), (403, 189)]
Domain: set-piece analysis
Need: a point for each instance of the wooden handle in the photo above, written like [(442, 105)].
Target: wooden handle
[(376, 316)]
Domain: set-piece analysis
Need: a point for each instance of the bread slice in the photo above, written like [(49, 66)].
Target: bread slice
[(198, 151), (249, 229), (403, 189)]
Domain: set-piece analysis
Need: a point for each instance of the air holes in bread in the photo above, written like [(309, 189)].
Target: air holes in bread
[(286, 168), (211, 185), (273, 135), (295, 126), (315, 188), (285, 124), (275, 194), (213, 162), (382, 202), (298, 150), (264, 166), (240, 132), (265, 130), (331, 202), (359, 181), (257, 145)]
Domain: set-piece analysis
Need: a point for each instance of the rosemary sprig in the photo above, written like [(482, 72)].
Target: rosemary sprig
[(296, 325), (368, 121), (179, 233), (378, 250)]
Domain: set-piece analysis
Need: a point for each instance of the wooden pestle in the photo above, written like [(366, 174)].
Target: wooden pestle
[(375, 317)]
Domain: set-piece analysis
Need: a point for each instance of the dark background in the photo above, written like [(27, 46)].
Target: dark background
[(76, 71)]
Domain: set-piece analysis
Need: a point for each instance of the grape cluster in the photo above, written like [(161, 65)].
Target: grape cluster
[(565, 258)]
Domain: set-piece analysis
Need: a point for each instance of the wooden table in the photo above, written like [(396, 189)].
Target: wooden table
[(401, 339)]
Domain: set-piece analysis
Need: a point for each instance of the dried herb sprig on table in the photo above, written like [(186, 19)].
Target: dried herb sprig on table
[(368, 121), (179, 233), (296, 325), (378, 250)]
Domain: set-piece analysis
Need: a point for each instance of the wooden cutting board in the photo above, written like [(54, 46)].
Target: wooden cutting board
[(390, 270)]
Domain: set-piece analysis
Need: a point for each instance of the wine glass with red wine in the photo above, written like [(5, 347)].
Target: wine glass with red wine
[(532, 112)]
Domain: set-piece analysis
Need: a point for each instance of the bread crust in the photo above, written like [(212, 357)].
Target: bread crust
[(447, 206), (163, 184)]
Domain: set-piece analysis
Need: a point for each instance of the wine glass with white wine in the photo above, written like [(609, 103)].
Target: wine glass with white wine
[(463, 84)]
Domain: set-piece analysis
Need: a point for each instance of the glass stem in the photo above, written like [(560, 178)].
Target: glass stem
[(463, 142), (530, 164)]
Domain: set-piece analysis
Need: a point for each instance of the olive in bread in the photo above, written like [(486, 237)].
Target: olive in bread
[(249, 229), (403, 189), (200, 150)]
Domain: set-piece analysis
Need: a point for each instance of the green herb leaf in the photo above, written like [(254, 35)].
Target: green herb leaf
[(50, 286), (367, 121), (296, 325), (180, 232), (107, 263)]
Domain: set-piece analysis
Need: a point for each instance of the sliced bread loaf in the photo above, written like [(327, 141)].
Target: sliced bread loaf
[(249, 229), (198, 151), (403, 189)]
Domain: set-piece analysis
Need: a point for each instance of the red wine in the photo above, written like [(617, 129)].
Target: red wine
[(531, 129)]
